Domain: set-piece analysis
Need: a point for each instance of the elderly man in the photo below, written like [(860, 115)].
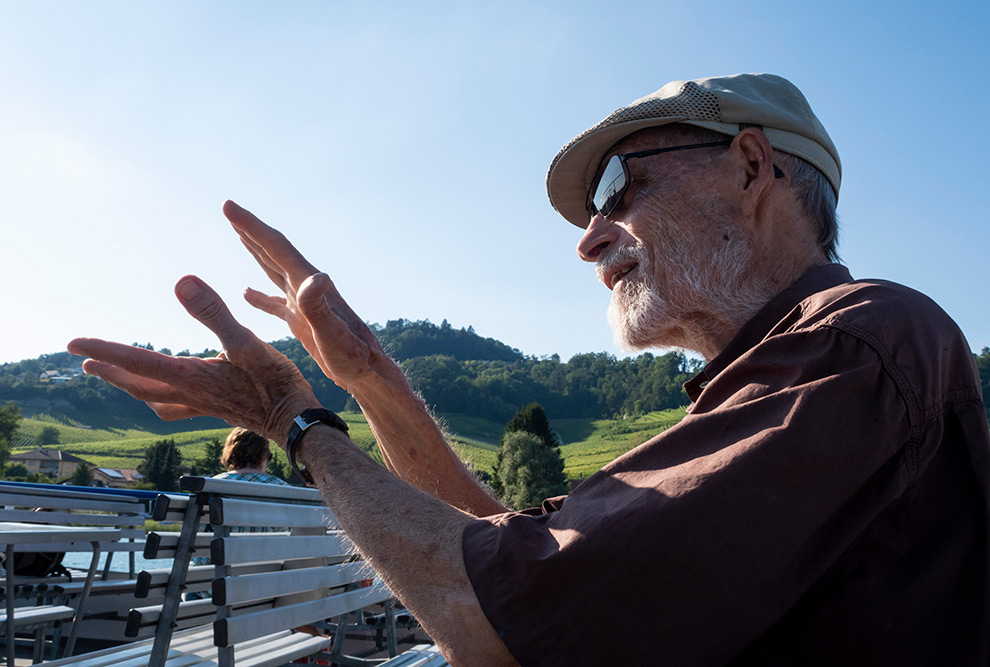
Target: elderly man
[(825, 500)]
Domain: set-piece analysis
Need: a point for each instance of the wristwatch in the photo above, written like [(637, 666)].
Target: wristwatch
[(300, 425)]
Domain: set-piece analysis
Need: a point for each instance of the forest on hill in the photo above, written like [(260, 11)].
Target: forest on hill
[(456, 370)]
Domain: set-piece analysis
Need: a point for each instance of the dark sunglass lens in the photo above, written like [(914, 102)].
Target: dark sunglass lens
[(611, 186)]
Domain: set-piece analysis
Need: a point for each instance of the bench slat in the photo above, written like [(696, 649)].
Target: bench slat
[(275, 651), (56, 500), (40, 614), (163, 545), (231, 550), (241, 588), (231, 511), (238, 488), (50, 547), (190, 612), (233, 630), (421, 655), (136, 654), (148, 581), (71, 518)]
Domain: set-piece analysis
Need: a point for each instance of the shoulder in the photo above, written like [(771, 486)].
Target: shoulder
[(916, 341), (881, 309)]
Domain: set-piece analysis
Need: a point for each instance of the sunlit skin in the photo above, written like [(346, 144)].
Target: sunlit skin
[(688, 220)]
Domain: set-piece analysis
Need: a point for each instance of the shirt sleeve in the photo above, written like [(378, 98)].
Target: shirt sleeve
[(688, 547)]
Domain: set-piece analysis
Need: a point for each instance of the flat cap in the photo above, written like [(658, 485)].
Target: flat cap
[(725, 104)]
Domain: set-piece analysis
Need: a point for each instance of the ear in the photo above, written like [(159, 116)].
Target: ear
[(755, 159)]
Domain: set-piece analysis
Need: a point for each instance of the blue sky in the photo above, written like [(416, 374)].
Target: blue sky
[(404, 147)]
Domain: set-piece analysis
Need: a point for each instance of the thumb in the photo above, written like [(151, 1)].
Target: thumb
[(205, 305), (312, 294)]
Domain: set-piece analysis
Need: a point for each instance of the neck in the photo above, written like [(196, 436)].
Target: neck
[(708, 331)]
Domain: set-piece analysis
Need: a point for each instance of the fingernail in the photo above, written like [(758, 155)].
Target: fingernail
[(189, 289)]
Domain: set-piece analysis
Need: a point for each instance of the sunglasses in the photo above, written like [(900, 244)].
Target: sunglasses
[(610, 184)]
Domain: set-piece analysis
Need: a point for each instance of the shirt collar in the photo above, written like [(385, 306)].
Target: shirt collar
[(815, 280)]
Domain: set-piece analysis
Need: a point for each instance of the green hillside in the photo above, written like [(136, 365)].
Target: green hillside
[(600, 406), (588, 443)]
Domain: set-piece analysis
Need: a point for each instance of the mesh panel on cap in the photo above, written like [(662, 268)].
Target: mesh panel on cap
[(692, 102)]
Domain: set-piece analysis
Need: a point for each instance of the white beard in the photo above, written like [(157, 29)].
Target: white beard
[(637, 311), (701, 287)]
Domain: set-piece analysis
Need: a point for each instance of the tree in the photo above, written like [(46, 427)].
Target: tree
[(10, 419), (279, 467), (209, 464), (528, 471), (161, 466), (48, 436), (82, 475), (15, 470), (528, 465), (533, 419), (983, 366)]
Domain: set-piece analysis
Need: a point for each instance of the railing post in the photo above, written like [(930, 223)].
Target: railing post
[(173, 592)]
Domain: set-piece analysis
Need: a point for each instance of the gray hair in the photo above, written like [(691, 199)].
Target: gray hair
[(817, 199)]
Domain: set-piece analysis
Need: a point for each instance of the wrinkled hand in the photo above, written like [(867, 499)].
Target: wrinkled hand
[(340, 342), (249, 384)]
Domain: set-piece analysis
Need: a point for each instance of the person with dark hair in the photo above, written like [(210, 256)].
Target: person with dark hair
[(245, 456), (825, 501)]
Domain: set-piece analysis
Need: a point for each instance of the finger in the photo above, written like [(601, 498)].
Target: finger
[(278, 248), (140, 387), (171, 412), (136, 360), (268, 266), (205, 305), (273, 305)]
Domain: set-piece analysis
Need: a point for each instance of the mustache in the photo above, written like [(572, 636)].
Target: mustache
[(609, 260)]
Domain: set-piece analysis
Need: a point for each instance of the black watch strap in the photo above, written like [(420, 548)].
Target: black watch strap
[(300, 425)]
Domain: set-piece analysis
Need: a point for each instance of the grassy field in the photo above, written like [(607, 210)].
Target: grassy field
[(124, 447), (587, 444)]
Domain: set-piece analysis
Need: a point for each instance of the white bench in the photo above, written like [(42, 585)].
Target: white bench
[(40, 606), (304, 574), (83, 507)]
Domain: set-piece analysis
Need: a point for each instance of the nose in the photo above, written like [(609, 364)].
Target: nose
[(600, 234)]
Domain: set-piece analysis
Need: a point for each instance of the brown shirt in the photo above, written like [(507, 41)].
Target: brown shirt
[(825, 501)]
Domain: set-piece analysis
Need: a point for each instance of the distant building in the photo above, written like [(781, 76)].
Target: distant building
[(115, 477), (55, 377), (50, 462)]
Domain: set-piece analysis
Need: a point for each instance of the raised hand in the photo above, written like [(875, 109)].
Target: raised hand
[(341, 343), (249, 384), (347, 351)]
